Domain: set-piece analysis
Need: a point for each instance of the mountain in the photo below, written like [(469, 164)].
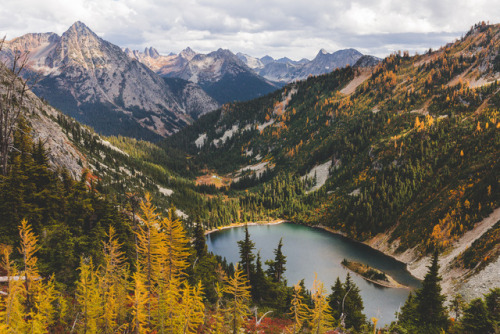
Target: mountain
[(95, 82), (252, 62), (402, 155), (220, 73), (285, 70)]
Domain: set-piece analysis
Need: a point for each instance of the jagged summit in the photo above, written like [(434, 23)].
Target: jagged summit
[(97, 83), (187, 53), (151, 52), (79, 28)]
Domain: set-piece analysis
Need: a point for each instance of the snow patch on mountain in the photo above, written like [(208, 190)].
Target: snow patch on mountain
[(200, 141)]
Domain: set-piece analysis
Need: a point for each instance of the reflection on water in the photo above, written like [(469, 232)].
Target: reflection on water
[(310, 250)]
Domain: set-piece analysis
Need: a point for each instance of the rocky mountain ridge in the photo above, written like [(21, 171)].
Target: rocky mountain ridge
[(220, 73), (97, 83), (286, 70)]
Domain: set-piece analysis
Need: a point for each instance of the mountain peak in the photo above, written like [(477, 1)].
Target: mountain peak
[(151, 52), (187, 53), (322, 52), (78, 25), (79, 28)]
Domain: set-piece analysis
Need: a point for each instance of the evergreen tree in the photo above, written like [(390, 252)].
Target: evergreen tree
[(408, 314), (260, 288), (430, 302), (336, 297), (199, 243), (493, 304), (425, 312), (457, 305), (246, 256), (353, 305), (277, 267), (476, 318)]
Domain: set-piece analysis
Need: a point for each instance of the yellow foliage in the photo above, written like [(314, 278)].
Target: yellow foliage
[(238, 291), (299, 312), (321, 318), (88, 297), (139, 300)]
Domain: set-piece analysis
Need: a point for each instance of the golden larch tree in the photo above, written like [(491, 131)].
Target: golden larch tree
[(238, 291), (321, 317), (299, 312)]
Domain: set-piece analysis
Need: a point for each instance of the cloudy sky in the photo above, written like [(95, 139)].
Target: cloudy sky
[(293, 28)]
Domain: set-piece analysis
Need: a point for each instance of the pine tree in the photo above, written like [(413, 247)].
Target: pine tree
[(246, 256), (492, 299), (407, 318), (336, 297), (353, 305), (476, 318), (277, 267), (430, 303), (260, 288), (199, 243)]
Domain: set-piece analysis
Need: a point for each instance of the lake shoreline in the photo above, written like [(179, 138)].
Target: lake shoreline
[(337, 232), (319, 227), (311, 250), (390, 283), (263, 223)]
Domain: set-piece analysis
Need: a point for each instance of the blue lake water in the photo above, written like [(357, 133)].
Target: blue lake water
[(310, 251)]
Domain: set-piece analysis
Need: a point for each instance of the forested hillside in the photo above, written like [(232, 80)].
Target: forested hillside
[(107, 234), (409, 147)]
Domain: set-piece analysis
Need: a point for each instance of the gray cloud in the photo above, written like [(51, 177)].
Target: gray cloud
[(277, 27)]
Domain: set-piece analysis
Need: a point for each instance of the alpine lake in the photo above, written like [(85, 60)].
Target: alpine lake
[(310, 250)]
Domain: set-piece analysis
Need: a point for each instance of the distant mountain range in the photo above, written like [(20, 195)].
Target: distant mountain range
[(222, 70), (285, 70), (220, 73), (147, 95), (95, 82)]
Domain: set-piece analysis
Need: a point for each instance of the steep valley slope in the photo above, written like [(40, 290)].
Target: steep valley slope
[(410, 148)]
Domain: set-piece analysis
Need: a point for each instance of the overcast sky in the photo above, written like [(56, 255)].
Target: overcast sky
[(278, 28)]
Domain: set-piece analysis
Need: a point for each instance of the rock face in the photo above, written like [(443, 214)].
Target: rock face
[(367, 61), (222, 74), (96, 82), (40, 116)]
